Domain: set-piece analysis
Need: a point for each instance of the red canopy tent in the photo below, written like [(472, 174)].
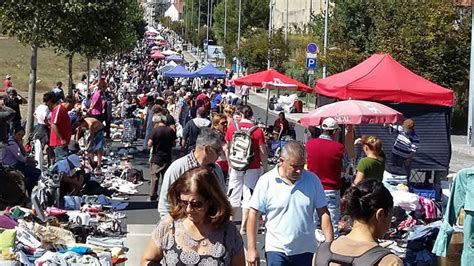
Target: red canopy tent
[(271, 79), (381, 78), (271, 76), (157, 55)]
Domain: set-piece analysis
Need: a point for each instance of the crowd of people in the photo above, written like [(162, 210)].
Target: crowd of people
[(212, 160)]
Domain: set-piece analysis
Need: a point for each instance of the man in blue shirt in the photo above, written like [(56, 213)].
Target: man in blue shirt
[(289, 195), (216, 100)]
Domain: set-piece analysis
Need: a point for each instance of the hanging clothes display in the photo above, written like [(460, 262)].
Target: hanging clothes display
[(462, 196)]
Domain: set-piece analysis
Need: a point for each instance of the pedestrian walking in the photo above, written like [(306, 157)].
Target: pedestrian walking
[(289, 196), (198, 230), (207, 151), (255, 162), (325, 160), (161, 142)]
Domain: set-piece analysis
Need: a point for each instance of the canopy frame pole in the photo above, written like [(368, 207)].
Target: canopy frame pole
[(268, 101)]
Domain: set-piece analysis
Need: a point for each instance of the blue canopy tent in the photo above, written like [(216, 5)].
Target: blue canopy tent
[(178, 72), (209, 71)]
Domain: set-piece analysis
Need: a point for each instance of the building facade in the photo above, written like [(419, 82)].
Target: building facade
[(298, 13)]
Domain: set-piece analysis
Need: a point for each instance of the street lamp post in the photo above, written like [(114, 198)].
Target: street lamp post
[(287, 26), (326, 18), (207, 27), (270, 28), (238, 38), (470, 119), (225, 28)]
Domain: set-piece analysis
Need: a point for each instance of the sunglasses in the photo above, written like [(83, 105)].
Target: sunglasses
[(223, 123), (192, 204)]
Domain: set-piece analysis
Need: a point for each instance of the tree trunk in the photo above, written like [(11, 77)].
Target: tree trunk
[(88, 72), (69, 72), (32, 89)]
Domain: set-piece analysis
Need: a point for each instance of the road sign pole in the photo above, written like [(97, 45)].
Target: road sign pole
[(470, 120)]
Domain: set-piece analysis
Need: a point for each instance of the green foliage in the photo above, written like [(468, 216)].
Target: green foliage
[(93, 28), (256, 49), (255, 14), (31, 21)]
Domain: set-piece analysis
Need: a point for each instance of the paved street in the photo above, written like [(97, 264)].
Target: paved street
[(142, 215)]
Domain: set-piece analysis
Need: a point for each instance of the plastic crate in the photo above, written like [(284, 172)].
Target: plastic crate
[(426, 192)]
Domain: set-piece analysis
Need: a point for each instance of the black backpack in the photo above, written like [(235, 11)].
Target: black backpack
[(368, 258)]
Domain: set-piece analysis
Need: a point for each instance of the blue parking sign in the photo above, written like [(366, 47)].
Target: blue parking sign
[(311, 63)]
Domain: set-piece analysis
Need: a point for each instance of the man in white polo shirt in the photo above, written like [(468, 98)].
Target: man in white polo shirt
[(289, 195)]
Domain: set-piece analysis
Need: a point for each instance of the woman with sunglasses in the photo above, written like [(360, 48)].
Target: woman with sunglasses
[(219, 125), (198, 230)]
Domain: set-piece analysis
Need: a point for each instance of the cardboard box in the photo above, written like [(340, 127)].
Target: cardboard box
[(453, 256)]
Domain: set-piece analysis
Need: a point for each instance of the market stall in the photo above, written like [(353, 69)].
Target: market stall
[(272, 80), (380, 78)]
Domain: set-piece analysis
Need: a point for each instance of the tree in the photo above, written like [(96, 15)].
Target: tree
[(255, 14), (257, 48), (32, 22), (85, 27)]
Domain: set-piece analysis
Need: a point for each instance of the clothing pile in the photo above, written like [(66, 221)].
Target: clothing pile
[(90, 235), (415, 225)]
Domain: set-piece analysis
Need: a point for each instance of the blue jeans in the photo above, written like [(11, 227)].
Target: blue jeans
[(333, 198), (31, 173), (61, 153), (280, 259)]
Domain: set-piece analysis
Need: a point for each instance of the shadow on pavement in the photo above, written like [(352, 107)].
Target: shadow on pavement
[(141, 205)]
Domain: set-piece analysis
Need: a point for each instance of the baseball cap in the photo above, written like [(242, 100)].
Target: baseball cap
[(8, 76), (75, 160), (329, 124)]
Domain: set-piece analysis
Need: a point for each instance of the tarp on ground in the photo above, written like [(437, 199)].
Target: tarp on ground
[(209, 71), (382, 78), (178, 72)]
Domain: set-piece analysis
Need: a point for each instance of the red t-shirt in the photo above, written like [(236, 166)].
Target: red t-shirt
[(60, 118), (257, 140), (325, 160), (206, 102), (8, 84)]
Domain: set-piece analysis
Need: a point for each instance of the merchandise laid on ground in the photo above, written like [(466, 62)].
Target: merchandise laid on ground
[(75, 230)]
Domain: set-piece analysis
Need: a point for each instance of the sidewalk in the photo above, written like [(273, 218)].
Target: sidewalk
[(260, 99)]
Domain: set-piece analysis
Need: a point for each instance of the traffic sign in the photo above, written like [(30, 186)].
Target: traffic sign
[(311, 63), (310, 55), (312, 48)]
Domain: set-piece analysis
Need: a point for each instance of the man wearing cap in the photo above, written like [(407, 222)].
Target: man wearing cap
[(67, 168), (8, 82), (325, 160), (405, 146)]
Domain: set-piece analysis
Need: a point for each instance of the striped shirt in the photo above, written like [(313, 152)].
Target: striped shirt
[(405, 143)]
